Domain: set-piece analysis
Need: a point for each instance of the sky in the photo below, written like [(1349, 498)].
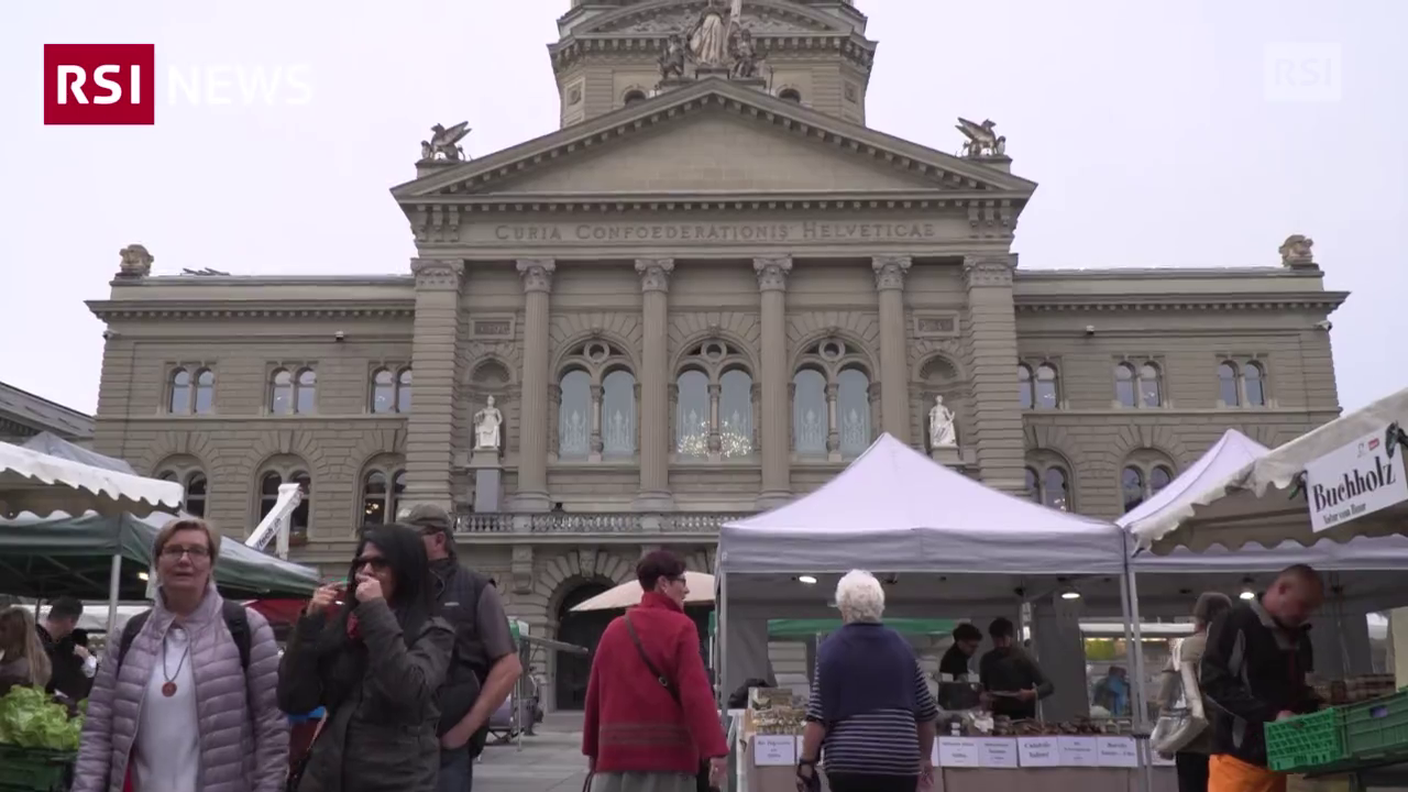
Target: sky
[(1169, 133)]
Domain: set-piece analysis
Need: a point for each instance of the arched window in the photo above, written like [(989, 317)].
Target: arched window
[(1132, 485), (1227, 388), (633, 96), (205, 391), (736, 413), (381, 496), (1254, 383), (281, 393), (790, 95), (403, 391), (1033, 485), (1159, 478), (1124, 385), (1056, 489), (1048, 393), (618, 414), (692, 414), (268, 493), (180, 392), (1026, 394), (306, 392), (195, 494), (269, 496), (383, 391), (1151, 392), (574, 424), (853, 411), (832, 411), (809, 412)]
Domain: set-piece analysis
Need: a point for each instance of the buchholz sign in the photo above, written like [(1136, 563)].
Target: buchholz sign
[(1353, 481)]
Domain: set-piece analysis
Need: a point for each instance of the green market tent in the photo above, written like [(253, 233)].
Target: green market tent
[(805, 628), (48, 557)]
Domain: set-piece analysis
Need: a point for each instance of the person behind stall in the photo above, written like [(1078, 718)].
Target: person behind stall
[(955, 661), (375, 662), (1112, 692), (1011, 679), (1253, 672), (1191, 761), (74, 666), (870, 710), (22, 658), (650, 723)]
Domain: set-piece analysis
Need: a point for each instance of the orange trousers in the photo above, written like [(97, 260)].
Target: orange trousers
[(1230, 774)]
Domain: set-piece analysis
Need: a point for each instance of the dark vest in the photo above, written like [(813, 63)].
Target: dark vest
[(865, 667), (458, 595)]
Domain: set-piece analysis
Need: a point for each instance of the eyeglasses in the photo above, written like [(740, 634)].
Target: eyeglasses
[(377, 563), (196, 552)]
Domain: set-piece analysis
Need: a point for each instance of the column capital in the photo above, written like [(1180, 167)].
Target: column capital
[(890, 271), (988, 270), (655, 273), (437, 274), (772, 272), (537, 274)]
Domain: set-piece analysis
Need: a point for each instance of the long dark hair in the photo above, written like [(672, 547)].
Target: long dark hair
[(413, 601)]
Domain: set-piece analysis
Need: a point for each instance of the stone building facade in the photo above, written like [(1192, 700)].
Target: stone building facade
[(703, 295)]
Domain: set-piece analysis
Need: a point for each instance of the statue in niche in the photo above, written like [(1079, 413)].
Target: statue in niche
[(487, 425), (746, 58), (942, 433), (672, 57)]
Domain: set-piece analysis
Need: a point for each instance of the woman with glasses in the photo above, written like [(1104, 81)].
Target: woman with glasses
[(185, 696), (372, 651)]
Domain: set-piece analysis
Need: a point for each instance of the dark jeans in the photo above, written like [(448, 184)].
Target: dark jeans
[(1192, 772), (456, 771), (865, 782)]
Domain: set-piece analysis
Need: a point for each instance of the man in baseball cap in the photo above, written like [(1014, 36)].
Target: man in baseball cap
[(485, 665)]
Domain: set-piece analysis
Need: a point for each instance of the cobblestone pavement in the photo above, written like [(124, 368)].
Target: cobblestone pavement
[(550, 761)]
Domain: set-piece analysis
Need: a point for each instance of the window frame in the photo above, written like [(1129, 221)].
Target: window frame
[(1040, 468), (295, 371), (598, 357), (291, 469), (1239, 365), (1145, 464), (184, 475), (714, 358), (391, 471), (400, 386), (193, 387), (1030, 387), (852, 357), (1136, 365)]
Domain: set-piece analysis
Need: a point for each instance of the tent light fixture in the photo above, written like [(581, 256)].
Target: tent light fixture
[(143, 576), (1070, 594), (809, 580), (1247, 592)]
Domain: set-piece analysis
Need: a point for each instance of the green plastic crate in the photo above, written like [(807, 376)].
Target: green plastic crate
[(1378, 728), (34, 769), (1306, 741)]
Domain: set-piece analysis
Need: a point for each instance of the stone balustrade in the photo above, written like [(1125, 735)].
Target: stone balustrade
[(611, 523)]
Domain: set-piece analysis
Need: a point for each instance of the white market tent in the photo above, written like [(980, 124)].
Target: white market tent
[(628, 594), (31, 481), (1253, 504), (951, 541)]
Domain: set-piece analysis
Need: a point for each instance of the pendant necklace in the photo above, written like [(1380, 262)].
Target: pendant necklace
[(169, 689)]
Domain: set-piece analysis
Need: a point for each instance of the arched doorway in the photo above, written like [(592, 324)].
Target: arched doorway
[(581, 629)]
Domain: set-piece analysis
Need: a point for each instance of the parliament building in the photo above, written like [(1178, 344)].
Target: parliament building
[(703, 295)]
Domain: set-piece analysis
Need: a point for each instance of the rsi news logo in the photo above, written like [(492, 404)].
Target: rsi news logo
[(114, 85)]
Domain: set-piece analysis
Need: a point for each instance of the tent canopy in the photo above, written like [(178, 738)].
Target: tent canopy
[(895, 510), (35, 482), (1253, 504), (1232, 452), (55, 446), (61, 555)]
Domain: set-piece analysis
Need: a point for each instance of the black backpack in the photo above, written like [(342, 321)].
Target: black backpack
[(236, 620)]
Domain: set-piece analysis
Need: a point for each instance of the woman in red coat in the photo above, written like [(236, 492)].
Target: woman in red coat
[(650, 720)]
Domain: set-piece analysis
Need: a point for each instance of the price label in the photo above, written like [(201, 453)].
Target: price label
[(958, 752), (774, 750), (1038, 752), (998, 752), (1117, 751), (1079, 751)]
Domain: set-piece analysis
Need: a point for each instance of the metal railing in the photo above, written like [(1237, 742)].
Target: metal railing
[(594, 522)]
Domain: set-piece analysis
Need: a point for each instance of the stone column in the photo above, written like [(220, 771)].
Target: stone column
[(991, 339), (894, 363), (772, 283), (654, 382), (431, 432), (533, 427)]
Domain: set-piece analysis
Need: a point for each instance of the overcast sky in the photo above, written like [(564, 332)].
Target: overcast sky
[(1152, 126)]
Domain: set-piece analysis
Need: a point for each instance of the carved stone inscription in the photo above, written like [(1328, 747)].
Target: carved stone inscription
[(819, 231)]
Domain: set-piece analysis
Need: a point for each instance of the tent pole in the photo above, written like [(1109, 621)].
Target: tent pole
[(1129, 594), (114, 590), (721, 639)]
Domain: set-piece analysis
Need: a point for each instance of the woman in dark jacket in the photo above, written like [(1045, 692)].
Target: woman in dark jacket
[(375, 663)]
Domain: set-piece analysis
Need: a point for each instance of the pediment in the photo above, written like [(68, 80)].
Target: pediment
[(715, 138), (761, 17)]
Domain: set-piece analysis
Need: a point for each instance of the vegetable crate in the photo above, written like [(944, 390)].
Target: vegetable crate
[(34, 769), (1378, 728), (1306, 741)]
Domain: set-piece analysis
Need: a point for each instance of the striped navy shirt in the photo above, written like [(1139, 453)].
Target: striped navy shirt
[(879, 742)]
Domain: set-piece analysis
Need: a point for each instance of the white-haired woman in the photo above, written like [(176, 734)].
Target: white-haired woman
[(870, 706)]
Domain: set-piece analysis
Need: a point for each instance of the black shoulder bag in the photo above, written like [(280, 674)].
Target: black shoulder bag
[(701, 777)]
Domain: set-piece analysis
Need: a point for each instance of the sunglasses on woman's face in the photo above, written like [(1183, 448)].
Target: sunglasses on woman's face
[(377, 563)]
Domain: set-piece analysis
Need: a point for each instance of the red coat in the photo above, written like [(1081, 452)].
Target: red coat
[(631, 724)]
